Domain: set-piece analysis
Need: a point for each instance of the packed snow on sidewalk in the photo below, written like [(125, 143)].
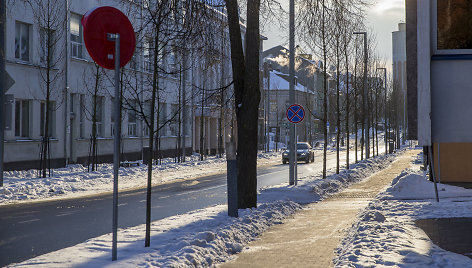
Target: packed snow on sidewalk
[(207, 236), (75, 181), (386, 235)]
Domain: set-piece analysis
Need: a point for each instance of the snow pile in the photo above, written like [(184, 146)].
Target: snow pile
[(75, 181), (386, 234), (208, 236), (401, 188), (313, 188), (200, 238)]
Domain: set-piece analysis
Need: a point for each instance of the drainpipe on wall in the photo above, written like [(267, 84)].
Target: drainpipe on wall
[(67, 123)]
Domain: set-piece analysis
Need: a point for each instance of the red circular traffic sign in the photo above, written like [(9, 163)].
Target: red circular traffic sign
[(99, 22), (295, 113)]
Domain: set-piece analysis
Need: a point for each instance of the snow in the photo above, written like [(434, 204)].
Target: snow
[(386, 235), (278, 83), (207, 236), (74, 180)]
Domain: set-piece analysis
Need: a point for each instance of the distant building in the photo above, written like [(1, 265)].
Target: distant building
[(308, 93), (399, 68)]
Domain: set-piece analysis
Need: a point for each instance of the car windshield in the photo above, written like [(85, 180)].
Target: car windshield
[(302, 146)]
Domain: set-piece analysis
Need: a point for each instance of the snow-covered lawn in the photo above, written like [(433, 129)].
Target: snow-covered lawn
[(75, 181), (386, 234), (206, 237)]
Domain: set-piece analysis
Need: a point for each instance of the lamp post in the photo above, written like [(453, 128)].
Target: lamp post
[(2, 83), (364, 99), (385, 81)]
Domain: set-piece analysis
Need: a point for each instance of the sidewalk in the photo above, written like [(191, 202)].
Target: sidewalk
[(309, 238)]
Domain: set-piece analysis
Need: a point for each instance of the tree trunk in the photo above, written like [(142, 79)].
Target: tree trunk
[(347, 102), (247, 98), (338, 107)]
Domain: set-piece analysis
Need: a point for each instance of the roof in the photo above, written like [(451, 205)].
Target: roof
[(279, 81)]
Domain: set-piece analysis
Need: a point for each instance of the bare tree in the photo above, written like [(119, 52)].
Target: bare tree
[(247, 96), (50, 17)]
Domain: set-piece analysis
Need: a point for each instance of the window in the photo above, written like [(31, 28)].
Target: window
[(9, 100), (112, 118), (148, 55), (188, 115), (22, 118), (51, 121), (133, 105), (46, 38), (454, 24), (22, 41), (162, 117), (174, 123), (452, 27), (133, 63), (147, 114), (273, 106), (172, 62), (76, 44), (99, 116)]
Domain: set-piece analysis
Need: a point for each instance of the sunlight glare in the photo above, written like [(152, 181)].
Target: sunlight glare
[(383, 6)]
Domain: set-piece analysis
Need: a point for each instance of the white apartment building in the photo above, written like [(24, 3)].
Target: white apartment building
[(73, 85)]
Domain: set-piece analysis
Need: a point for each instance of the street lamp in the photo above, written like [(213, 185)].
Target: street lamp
[(364, 99), (385, 81)]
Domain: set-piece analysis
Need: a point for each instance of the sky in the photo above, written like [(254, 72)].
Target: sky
[(382, 17)]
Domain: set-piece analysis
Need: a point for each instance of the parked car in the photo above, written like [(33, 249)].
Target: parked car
[(304, 153)]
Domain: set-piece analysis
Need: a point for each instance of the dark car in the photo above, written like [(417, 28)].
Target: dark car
[(304, 153)]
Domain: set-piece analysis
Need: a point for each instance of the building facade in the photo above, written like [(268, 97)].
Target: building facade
[(438, 54), (80, 95)]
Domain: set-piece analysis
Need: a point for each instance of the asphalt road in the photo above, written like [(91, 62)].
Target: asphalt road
[(29, 230)]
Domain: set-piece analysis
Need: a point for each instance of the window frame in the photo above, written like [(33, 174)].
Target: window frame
[(76, 44), (43, 40), (132, 119), (434, 37), (52, 118), (100, 115), (28, 28), (20, 117)]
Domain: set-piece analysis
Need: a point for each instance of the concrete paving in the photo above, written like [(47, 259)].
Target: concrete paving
[(308, 238)]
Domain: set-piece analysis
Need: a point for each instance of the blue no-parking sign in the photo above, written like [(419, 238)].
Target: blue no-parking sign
[(295, 113)]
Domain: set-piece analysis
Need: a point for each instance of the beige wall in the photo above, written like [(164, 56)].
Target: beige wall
[(455, 159)]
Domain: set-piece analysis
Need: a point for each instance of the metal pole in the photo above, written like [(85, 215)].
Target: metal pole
[(293, 146), (231, 177), (268, 114), (439, 163), (386, 115), (366, 109), (2, 84), (117, 134), (431, 162)]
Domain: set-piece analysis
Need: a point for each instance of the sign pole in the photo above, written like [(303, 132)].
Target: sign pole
[(295, 114), (292, 159), (116, 152)]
